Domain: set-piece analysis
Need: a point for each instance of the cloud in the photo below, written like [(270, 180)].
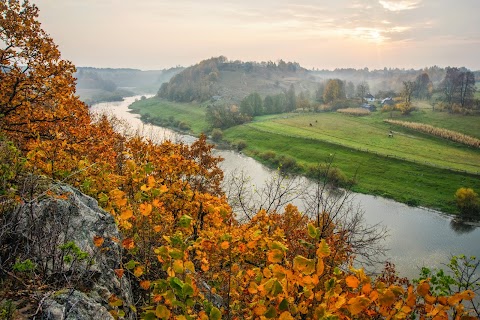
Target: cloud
[(399, 5)]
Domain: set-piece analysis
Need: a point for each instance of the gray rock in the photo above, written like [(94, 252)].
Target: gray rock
[(50, 222), (73, 305)]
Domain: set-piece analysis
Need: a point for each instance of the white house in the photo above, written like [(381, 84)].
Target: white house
[(369, 98)]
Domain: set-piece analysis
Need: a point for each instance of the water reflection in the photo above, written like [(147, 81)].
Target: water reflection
[(462, 227)]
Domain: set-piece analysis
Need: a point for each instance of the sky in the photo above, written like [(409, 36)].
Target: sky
[(158, 34)]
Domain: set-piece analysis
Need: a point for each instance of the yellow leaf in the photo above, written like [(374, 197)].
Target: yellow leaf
[(303, 265), (121, 202), (457, 297), (252, 288), (275, 256), (358, 304), (286, 316), (163, 188), (145, 284), (162, 312), (138, 271), (267, 273), (320, 267), (157, 228), (225, 245), (178, 266), (259, 310), (126, 214), (157, 203), (352, 281), (387, 298), (189, 266), (340, 302), (323, 249), (146, 209), (131, 164), (98, 241)]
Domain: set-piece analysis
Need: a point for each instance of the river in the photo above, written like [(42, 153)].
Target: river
[(416, 236)]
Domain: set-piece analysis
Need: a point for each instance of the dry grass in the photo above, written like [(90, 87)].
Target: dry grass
[(355, 111), (438, 132)]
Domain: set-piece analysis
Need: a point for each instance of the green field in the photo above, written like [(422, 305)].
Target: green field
[(189, 113), (371, 134), (403, 181), (411, 167)]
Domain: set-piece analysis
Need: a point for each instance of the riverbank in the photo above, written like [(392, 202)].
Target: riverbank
[(409, 170), (417, 237)]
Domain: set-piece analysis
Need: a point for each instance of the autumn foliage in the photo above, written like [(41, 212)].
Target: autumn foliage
[(184, 251)]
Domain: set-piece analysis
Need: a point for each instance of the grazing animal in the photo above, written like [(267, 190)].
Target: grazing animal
[(390, 135), (311, 125)]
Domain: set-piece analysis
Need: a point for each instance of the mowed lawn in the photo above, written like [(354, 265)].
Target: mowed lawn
[(371, 134), (190, 113)]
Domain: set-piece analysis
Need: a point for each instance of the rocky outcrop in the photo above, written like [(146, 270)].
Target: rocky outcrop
[(57, 233)]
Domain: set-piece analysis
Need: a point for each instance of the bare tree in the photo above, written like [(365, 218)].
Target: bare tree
[(362, 90), (276, 192), (331, 209)]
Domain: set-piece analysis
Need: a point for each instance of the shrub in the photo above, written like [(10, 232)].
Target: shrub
[(217, 134), (331, 175), (387, 108), (287, 163), (467, 202), (268, 155), (241, 144), (184, 126)]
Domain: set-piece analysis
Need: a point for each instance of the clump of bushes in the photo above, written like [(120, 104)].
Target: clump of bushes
[(468, 202), (387, 108), (183, 126), (268, 155), (239, 145), (217, 134), (329, 174), (355, 111), (287, 164), (438, 132)]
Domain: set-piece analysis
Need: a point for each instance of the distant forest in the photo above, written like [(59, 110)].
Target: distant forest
[(219, 78)]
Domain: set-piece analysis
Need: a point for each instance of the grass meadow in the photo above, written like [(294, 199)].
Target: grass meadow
[(410, 167)]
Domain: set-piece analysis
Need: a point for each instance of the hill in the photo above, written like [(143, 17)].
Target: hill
[(231, 81), (107, 84)]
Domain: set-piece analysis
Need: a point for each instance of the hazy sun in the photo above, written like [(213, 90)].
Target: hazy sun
[(376, 36)]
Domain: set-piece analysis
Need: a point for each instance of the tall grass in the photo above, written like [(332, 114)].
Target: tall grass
[(355, 111), (438, 132)]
